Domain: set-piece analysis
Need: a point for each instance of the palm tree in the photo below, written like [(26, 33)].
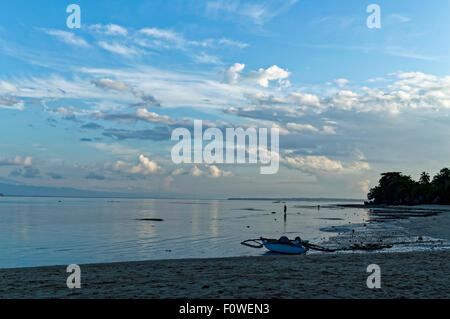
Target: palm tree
[(424, 178)]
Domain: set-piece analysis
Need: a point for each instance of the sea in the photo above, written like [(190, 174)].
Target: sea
[(42, 231)]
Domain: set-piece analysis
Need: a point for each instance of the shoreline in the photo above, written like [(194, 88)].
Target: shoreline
[(427, 222), (405, 274), (396, 229), (437, 207), (338, 275)]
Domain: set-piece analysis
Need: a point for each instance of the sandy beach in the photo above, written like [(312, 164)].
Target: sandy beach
[(403, 275)]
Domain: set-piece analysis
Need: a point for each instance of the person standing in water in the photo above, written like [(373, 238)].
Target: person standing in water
[(285, 210)]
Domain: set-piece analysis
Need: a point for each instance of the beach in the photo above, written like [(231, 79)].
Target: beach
[(420, 270), (403, 275)]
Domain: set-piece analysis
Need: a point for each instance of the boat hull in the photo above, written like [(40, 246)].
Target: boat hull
[(285, 248)]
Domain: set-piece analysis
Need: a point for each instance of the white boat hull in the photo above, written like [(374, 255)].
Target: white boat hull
[(285, 248)]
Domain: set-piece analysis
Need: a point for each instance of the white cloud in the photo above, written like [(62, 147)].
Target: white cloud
[(215, 172), (110, 29), (67, 37), (408, 91), (341, 82), (313, 163), (163, 34), (257, 13), (263, 98), (330, 130), (294, 98), (195, 171), (204, 58), (231, 75), (18, 160), (345, 100), (178, 171), (174, 89), (145, 167), (6, 87), (55, 87), (145, 100), (322, 164), (142, 115), (228, 42), (12, 103), (167, 39), (118, 48), (281, 130), (111, 84), (411, 91), (399, 17), (418, 79), (304, 99), (68, 113), (302, 127), (264, 76)]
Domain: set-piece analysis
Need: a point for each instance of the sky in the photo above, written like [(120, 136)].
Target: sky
[(94, 107)]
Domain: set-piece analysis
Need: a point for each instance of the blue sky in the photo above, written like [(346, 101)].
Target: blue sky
[(94, 107)]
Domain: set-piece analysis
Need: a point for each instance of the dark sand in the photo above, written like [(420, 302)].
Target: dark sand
[(403, 275)]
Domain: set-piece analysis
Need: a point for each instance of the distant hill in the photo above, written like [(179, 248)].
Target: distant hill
[(26, 190), (12, 188)]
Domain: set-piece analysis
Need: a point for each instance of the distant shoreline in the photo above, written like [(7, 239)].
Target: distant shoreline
[(306, 199), (328, 199), (400, 207), (109, 197)]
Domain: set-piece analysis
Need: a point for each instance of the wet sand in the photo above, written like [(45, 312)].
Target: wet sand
[(433, 226), (403, 275)]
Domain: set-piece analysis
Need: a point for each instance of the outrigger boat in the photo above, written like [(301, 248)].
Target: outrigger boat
[(284, 245)]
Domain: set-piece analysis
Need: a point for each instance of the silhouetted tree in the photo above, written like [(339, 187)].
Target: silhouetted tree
[(442, 186), (424, 178), (394, 188)]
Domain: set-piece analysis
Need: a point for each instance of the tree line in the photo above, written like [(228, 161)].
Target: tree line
[(394, 188)]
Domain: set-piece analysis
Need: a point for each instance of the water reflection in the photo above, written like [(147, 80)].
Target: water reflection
[(196, 215), (37, 232), (213, 218)]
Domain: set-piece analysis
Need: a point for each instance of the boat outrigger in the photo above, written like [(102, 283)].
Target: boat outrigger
[(284, 245)]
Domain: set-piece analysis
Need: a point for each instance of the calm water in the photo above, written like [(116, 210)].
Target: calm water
[(44, 231)]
